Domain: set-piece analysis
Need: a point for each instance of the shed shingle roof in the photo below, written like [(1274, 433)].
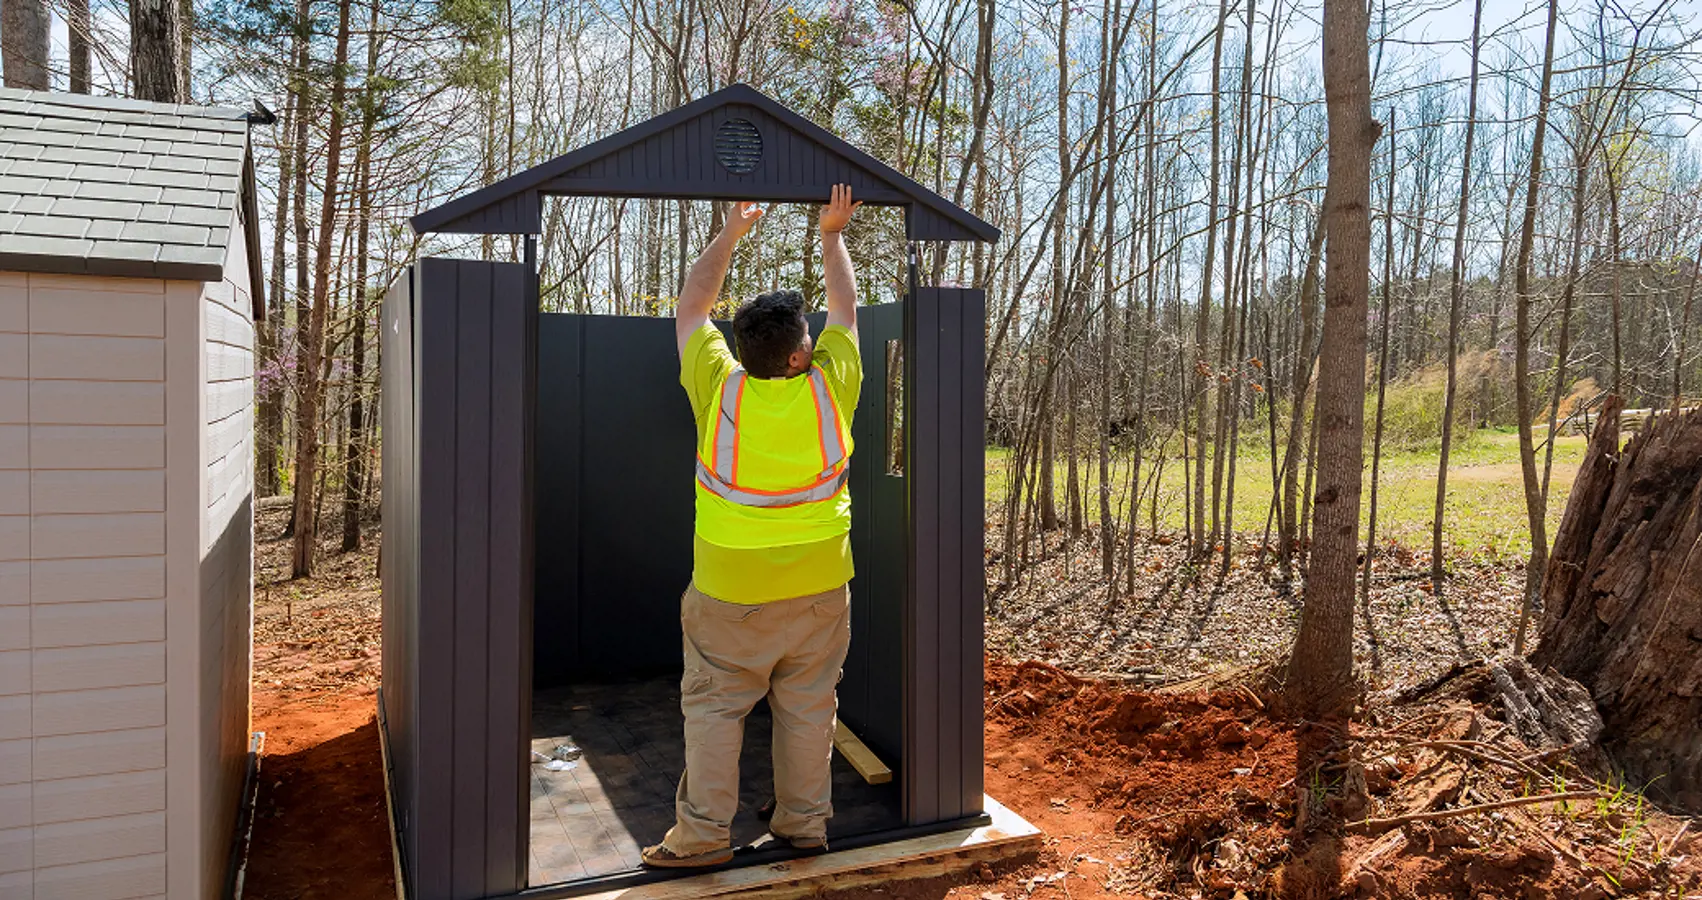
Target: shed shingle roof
[(109, 186)]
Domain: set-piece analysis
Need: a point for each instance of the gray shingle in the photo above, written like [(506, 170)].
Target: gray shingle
[(32, 204), (194, 164), (161, 233), (108, 142), (104, 229), (82, 155), (7, 201), (75, 126), (40, 168), (97, 209), (196, 215), (173, 179), (54, 226), (177, 253), (126, 250), (38, 245), (185, 197), (95, 190), (207, 151), (107, 174)]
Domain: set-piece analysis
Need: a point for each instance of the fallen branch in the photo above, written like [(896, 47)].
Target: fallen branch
[(1384, 824), (1465, 748)]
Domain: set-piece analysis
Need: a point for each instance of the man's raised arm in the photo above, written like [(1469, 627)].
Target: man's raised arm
[(836, 261), (703, 282)]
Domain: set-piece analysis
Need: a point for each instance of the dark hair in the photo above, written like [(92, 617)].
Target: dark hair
[(767, 329)]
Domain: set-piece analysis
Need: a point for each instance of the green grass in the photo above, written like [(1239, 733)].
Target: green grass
[(1485, 509)]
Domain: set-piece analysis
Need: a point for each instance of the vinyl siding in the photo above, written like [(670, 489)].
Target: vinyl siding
[(123, 593)]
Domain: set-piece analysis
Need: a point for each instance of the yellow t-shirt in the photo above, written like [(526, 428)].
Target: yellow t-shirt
[(769, 573)]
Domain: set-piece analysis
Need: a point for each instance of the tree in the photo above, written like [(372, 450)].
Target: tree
[(1320, 671), (1622, 601), (78, 34), (312, 384), (1535, 508), (1456, 300), (156, 51), (24, 43)]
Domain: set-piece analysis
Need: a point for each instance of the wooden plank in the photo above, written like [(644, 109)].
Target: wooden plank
[(860, 756), (931, 856), (948, 364)]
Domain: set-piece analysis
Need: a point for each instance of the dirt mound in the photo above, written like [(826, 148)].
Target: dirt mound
[(1211, 795)]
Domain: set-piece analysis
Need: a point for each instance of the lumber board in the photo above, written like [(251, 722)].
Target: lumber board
[(1008, 835), (860, 756)]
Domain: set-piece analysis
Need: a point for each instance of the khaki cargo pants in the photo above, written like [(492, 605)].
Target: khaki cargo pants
[(790, 651)]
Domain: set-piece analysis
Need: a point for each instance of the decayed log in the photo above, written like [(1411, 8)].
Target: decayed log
[(1622, 598)]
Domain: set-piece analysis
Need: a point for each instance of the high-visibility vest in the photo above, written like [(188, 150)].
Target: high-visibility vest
[(772, 471)]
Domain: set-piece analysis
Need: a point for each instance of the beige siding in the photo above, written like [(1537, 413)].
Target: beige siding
[(227, 565), (125, 420)]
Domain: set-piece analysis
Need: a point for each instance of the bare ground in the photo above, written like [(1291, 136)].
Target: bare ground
[(1142, 791)]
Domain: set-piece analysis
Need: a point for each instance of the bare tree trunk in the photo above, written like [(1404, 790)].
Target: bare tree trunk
[(304, 113), (1622, 601), (1320, 674), (185, 44), (24, 33), (1535, 509), (78, 33), (1382, 361), (1202, 314), (354, 465), (156, 51), (1456, 300), (307, 424)]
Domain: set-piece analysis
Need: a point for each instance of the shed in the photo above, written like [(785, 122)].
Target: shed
[(128, 300), (533, 561)]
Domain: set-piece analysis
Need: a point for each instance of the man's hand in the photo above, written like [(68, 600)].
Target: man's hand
[(837, 213), (741, 218)]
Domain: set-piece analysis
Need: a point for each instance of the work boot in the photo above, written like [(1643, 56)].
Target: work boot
[(804, 844), (661, 857)]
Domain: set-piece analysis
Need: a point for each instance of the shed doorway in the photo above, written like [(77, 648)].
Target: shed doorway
[(614, 507)]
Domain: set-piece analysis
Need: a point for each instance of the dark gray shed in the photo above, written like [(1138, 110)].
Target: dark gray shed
[(534, 556)]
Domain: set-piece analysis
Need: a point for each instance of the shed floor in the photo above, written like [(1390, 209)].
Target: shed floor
[(592, 820)]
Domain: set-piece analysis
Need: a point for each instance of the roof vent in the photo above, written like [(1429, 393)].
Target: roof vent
[(738, 146)]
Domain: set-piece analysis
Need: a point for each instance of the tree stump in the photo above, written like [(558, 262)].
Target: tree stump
[(1622, 598)]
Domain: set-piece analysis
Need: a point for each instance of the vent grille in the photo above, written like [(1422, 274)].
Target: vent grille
[(738, 146)]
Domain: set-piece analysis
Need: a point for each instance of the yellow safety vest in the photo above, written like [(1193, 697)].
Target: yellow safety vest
[(772, 470)]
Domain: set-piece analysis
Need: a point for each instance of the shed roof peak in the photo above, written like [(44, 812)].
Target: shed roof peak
[(734, 144)]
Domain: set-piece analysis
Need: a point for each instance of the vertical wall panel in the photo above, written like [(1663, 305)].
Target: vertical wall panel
[(471, 522), (508, 692), (455, 695), (943, 713), (436, 302)]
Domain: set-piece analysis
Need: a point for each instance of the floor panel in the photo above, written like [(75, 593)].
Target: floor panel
[(591, 820)]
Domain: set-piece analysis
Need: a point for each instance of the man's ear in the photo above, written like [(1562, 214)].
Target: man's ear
[(799, 360)]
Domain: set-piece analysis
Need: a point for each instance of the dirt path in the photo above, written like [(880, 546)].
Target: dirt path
[(321, 832)]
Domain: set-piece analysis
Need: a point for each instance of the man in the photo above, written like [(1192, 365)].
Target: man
[(768, 609)]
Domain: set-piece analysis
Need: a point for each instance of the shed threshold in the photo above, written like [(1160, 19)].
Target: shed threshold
[(901, 854)]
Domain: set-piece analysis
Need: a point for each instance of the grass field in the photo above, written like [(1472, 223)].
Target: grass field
[(1485, 511)]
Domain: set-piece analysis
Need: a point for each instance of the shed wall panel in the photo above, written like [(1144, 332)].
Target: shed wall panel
[(453, 668)]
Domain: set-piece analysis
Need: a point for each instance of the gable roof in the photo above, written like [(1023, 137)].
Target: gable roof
[(109, 186), (734, 144)]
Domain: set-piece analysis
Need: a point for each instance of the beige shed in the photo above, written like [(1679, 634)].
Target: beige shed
[(128, 297)]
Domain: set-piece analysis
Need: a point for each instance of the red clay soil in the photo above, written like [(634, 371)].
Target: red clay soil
[(1203, 796), (321, 829)]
